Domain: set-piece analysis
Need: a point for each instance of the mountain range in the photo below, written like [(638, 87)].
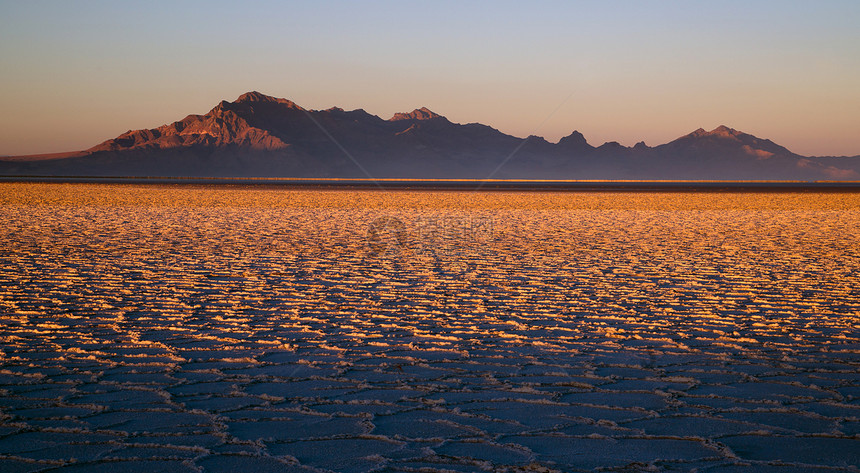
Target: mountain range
[(261, 136)]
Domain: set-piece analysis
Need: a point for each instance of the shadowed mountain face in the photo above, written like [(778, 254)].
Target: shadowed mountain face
[(258, 135)]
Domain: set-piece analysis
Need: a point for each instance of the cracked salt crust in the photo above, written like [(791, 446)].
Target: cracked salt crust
[(212, 329)]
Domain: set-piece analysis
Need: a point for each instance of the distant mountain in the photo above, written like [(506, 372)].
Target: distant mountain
[(259, 135)]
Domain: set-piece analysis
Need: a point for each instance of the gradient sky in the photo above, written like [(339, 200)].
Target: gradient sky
[(73, 74)]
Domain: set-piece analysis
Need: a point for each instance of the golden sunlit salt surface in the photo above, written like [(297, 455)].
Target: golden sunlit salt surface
[(192, 328)]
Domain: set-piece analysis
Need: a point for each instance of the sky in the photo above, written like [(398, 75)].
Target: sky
[(73, 74)]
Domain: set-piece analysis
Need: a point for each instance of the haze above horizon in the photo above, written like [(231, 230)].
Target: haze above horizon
[(75, 74)]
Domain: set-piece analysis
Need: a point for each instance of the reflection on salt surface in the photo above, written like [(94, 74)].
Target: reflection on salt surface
[(181, 328)]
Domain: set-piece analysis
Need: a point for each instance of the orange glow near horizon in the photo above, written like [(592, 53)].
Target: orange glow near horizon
[(74, 75)]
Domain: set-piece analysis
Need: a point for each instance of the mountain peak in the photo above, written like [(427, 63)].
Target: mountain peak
[(612, 145), (422, 113), (723, 130), (575, 141), (720, 131), (257, 97), (724, 141)]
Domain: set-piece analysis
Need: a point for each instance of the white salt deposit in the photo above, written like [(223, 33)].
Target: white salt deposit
[(157, 328)]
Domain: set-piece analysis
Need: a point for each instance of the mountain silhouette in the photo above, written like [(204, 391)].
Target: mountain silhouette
[(262, 136)]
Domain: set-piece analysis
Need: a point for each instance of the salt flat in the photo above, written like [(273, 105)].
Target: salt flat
[(183, 328)]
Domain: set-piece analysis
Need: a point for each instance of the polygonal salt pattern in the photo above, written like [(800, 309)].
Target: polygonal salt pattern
[(192, 328)]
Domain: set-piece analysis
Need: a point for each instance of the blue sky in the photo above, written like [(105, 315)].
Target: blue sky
[(77, 73)]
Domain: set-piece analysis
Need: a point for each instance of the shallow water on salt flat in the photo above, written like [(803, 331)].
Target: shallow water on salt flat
[(190, 328)]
